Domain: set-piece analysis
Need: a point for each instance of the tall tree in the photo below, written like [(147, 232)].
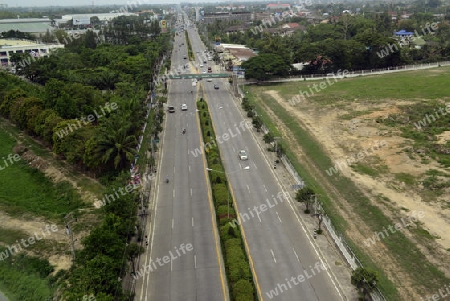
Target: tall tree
[(116, 147), (265, 66), (365, 280), (305, 195)]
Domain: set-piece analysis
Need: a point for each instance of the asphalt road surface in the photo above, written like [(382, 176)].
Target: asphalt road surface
[(285, 260), (183, 220)]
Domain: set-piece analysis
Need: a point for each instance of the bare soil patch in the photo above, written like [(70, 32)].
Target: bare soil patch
[(340, 138)]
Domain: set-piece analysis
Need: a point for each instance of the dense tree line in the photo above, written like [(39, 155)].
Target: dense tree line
[(89, 104), (103, 263)]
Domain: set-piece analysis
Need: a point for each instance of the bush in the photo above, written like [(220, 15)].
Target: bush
[(222, 210), (220, 194), (243, 290), (238, 267), (268, 138), (228, 232)]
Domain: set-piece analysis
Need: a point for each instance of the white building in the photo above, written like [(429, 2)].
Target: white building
[(85, 19), (9, 47)]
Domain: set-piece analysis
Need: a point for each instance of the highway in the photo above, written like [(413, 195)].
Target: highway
[(281, 252), (183, 232)]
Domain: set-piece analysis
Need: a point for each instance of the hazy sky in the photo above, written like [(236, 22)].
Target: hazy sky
[(31, 3)]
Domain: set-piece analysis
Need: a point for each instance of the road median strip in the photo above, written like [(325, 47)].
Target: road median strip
[(239, 275)]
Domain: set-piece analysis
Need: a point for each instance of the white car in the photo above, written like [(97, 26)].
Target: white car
[(184, 107), (201, 65), (209, 80), (243, 155)]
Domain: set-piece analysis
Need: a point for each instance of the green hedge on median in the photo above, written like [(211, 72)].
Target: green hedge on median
[(239, 275)]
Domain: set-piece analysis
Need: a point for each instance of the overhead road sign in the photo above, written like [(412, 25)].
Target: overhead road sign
[(204, 75)]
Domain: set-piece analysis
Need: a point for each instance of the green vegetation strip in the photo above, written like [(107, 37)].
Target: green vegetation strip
[(239, 275), (189, 46), (26, 278), (409, 257), (26, 190)]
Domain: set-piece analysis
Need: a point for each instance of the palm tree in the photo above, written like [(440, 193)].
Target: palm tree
[(116, 146)]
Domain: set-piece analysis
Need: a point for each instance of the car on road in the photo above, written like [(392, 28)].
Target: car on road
[(216, 87), (201, 65), (184, 107), (185, 57), (209, 80), (243, 155), (171, 109)]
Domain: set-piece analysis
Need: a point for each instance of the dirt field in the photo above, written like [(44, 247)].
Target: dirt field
[(341, 138)]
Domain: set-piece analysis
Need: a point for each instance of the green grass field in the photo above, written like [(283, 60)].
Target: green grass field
[(425, 84), (25, 190), (418, 85)]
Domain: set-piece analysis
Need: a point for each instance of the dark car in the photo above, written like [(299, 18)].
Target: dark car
[(171, 109), (216, 87)]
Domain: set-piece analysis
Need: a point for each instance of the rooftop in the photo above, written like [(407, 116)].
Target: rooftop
[(278, 5), (11, 42), (26, 27), (26, 20)]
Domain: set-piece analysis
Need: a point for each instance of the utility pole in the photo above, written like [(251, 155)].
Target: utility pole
[(318, 211), (69, 219), (276, 151)]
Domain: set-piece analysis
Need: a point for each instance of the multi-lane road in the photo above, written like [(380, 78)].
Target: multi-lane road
[(182, 226), (281, 252), (285, 262)]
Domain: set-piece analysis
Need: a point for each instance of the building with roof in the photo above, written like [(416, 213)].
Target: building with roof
[(10, 46), (85, 19), (236, 29), (278, 5), (34, 26), (228, 16), (404, 34), (234, 53)]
